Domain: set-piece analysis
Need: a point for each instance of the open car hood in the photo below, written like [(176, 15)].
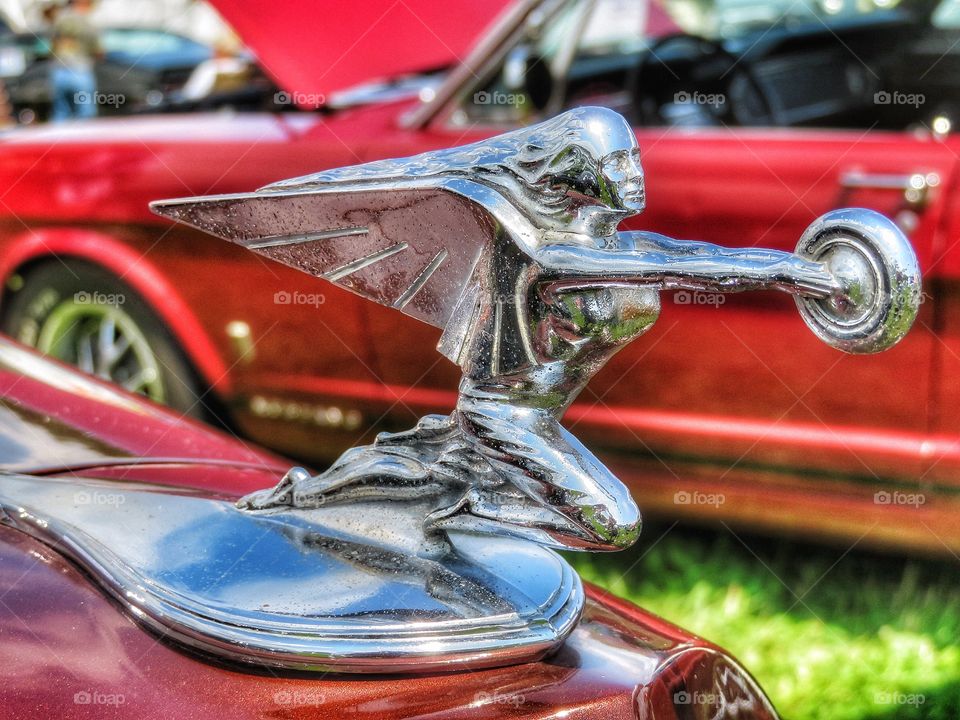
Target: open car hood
[(313, 49)]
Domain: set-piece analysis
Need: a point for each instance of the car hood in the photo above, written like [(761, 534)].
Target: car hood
[(313, 49), (55, 420)]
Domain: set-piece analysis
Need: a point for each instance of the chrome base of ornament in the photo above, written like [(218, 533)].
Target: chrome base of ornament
[(360, 589)]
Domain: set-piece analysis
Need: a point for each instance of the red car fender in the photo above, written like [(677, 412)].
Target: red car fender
[(134, 269)]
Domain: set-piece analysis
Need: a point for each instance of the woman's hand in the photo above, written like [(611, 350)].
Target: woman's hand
[(805, 277)]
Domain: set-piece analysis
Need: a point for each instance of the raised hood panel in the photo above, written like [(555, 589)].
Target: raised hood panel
[(313, 48)]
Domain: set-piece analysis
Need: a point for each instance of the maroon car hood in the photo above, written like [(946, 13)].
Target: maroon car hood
[(314, 48), (55, 420)]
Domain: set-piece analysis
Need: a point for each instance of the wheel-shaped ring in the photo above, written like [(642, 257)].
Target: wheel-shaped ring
[(877, 270)]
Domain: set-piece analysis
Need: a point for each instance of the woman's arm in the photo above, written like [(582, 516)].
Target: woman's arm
[(656, 259)]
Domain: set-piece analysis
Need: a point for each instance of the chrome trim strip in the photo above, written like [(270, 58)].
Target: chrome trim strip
[(422, 279), (283, 240), (364, 262)]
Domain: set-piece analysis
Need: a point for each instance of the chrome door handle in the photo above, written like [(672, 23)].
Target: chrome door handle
[(914, 187)]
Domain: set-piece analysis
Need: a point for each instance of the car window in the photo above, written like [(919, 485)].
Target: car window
[(717, 19), (530, 79), (139, 42), (783, 63), (615, 26)]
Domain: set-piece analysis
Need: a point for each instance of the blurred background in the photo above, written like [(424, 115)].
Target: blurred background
[(802, 505), (143, 52)]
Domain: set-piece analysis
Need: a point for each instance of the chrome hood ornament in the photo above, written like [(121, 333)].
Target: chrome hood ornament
[(511, 247)]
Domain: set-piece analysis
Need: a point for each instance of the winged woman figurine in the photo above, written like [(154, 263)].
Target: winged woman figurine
[(510, 246)]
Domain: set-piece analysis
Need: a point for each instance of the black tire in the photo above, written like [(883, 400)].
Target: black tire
[(55, 306)]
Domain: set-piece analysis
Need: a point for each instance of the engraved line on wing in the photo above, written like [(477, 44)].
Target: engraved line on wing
[(421, 280), (520, 308), (282, 240), (495, 350), (361, 263)]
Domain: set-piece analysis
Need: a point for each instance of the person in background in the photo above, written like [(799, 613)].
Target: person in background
[(75, 47)]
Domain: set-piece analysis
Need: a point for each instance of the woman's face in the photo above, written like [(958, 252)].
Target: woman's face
[(598, 194), (624, 177)]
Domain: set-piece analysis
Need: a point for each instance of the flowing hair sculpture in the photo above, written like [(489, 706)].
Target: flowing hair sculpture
[(552, 166)]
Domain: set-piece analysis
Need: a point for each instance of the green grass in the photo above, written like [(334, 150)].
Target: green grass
[(829, 636)]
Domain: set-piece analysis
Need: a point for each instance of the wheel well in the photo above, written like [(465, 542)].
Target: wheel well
[(27, 250), (213, 401)]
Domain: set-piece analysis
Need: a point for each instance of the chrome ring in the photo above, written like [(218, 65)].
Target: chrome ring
[(877, 269)]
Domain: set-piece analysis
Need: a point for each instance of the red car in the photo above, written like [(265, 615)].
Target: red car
[(746, 139), (69, 651)]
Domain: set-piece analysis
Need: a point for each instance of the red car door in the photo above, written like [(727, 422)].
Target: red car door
[(741, 380)]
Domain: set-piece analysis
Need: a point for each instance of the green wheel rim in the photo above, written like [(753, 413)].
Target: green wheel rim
[(103, 340)]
